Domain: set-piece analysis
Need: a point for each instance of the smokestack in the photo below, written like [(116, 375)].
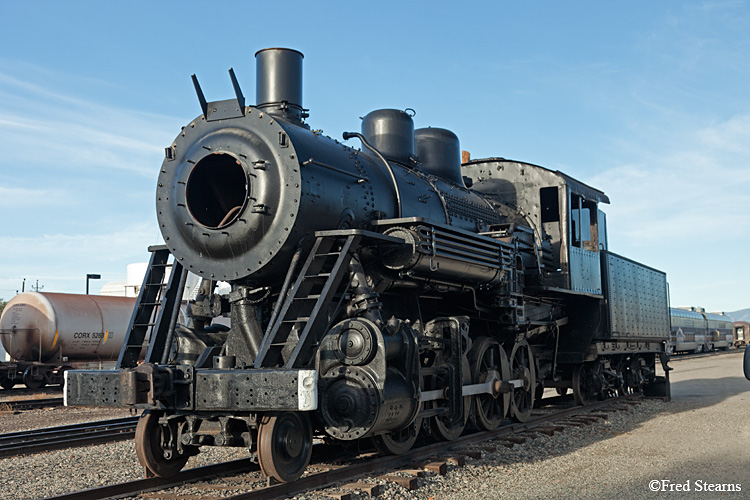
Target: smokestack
[(278, 86)]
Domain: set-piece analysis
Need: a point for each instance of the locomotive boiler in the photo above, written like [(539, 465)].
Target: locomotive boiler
[(44, 333), (380, 292)]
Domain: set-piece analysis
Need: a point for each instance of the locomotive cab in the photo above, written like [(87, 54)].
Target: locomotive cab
[(563, 213)]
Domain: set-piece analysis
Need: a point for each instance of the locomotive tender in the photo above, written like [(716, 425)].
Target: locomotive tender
[(381, 292)]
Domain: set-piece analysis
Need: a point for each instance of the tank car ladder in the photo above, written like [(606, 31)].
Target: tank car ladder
[(303, 314), (155, 301)]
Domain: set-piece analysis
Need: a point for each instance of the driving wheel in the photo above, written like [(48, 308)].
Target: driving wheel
[(522, 367), (398, 442), (489, 361)]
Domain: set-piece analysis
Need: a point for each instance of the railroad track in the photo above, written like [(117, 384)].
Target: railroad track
[(68, 436), (323, 473), (683, 357), (30, 404)]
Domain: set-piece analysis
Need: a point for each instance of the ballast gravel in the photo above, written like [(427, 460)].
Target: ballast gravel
[(697, 441)]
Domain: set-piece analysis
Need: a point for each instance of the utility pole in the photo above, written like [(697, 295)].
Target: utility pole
[(37, 287)]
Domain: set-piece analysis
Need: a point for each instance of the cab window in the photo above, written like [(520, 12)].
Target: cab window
[(583, 223)]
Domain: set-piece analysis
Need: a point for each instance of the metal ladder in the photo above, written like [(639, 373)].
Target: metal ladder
[(157, 308), (303, 315)]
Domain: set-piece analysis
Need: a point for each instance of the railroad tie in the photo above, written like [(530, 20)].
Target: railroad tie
[(410, 483), (458, 460), (413, 472), (602, 416), (437, 467), (338, 495), (373, 490), (511, 439)]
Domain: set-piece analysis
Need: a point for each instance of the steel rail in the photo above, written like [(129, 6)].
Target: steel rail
[(329, 477), (68, 436), (673, 358), (348, 473), (158, 483), (32, 404)]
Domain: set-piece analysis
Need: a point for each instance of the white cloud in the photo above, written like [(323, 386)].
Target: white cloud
[(685, 208), (60, 261), (41, 124), (15, 197)]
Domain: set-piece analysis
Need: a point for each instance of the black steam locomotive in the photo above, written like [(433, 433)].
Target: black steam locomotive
[(378, 293)]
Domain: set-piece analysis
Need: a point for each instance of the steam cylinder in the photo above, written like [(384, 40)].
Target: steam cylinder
[(47, 327)]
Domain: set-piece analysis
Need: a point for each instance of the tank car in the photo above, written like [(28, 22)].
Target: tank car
[(378, 293), (46, 333)]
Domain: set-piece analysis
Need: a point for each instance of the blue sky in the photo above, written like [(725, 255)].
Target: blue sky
[(647, 101)]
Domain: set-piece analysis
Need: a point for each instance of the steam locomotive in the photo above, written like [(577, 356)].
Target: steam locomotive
[(377, 293)]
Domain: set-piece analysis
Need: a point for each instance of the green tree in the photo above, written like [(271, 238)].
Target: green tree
[(2, 305)]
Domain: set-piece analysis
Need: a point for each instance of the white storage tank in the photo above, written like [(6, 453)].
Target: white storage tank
[(59, 327)]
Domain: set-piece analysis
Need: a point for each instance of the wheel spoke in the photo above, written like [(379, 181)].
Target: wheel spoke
[(523, 368), (398, 442)]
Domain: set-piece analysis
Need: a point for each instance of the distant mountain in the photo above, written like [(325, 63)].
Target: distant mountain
[(741, 315)]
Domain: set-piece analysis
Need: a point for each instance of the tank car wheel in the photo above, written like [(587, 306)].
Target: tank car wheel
[(522, 367), (439, 426), (488, 359), (746, 363), (7, 384), (30, 382), (284, 445), (587, 383), (398, 442), (148, 440)]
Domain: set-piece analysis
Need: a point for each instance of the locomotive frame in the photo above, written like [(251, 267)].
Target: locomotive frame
[(374, 295)]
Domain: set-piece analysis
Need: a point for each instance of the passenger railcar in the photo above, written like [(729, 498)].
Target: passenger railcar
[(719, 330), (377, 293), (695, 330), (741, 333)]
